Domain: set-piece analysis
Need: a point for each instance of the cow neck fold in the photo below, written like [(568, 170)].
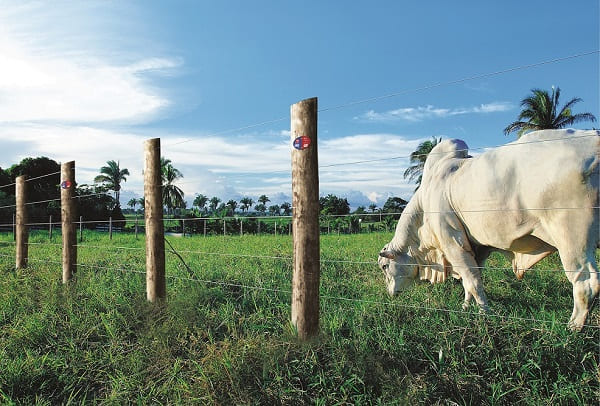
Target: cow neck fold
[(411, 219)]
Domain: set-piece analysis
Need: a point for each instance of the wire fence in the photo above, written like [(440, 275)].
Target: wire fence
[(132, 268)]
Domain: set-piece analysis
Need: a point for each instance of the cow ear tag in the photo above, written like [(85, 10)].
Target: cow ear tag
[(302, 143)]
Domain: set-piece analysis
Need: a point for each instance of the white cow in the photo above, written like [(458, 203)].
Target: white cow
[(526, 199)]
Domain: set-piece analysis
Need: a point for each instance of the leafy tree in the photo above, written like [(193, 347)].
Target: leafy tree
[(4, 179), (274, 210), (132, 203), (261, 208), (48, 173), (394, 205), (111, 177), (214, 203), (172, 194), (142, 202), (541, 111), (372, 207), (360, 210), (263, 199), (334, 205), (246, 203), (417, 160), (232, 205), (200, 201), (287, 208)]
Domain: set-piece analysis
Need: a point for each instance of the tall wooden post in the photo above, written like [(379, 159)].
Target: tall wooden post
[(110, 228), (80, 228), (305, 201), (68, 214), (50, 228), (155, 230), (21, 231)]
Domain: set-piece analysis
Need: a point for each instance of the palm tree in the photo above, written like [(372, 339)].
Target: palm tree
[(540, 110), (172, 194), (142, 202), (372, 207), (263, 199), (232, 205), (132, 203), (112, 176), (287, 208), (261, 208), (200, 201), (274, 210), (214, 202), (246, 203), (417, 160)]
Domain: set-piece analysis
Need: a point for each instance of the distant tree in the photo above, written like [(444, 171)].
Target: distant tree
[(232, 205), (360, 210), (274, 210), (214, 203), (263, 199), (172, 194), (261, 208), (111, 177), (200, 202), (540, 111), (246, 203), (4, 178), (142, 202), (394, 205), (132, 203), (372, 207), (417, 160), (287, 208), (334, 205), (45, 169)]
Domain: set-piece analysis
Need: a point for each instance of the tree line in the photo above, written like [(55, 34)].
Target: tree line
[(540, 110)]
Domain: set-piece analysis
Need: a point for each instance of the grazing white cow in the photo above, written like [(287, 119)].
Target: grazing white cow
[(526, 199)]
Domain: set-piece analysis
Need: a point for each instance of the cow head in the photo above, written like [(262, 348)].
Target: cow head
[(399, 269)]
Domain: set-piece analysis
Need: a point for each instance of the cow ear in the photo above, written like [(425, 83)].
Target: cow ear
[(387, 254)]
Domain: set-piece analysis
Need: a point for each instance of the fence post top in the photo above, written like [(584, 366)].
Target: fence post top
[(152, 141)]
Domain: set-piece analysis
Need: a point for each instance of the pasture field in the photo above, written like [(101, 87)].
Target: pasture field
[(223, 336)]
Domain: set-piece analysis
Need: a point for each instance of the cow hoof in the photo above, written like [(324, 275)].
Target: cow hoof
[(575, 327)]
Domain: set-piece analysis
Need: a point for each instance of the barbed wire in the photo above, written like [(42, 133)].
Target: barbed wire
[(121, 267)]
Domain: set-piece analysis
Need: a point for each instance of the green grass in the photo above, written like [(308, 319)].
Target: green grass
[(229, 341)]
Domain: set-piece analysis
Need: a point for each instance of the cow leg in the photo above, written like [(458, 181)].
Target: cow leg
[(467, 302), (582, 272), (466, 266)]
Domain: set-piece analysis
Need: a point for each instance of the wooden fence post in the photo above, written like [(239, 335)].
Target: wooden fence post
[(155, 230), (21, 231), (110, 228), (50, 228), (68, 213), (80, 228), (205, 227), (305, 201), (136, 226)]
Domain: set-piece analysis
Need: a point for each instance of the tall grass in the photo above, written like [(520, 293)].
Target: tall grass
[(223, 336)]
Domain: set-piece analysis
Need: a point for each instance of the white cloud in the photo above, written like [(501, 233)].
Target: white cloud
[(60, 77), (415, 114)]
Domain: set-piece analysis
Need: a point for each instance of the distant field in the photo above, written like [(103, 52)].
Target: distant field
[(224, 335)]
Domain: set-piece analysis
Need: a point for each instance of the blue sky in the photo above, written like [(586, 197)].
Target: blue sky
[(90, 81)]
